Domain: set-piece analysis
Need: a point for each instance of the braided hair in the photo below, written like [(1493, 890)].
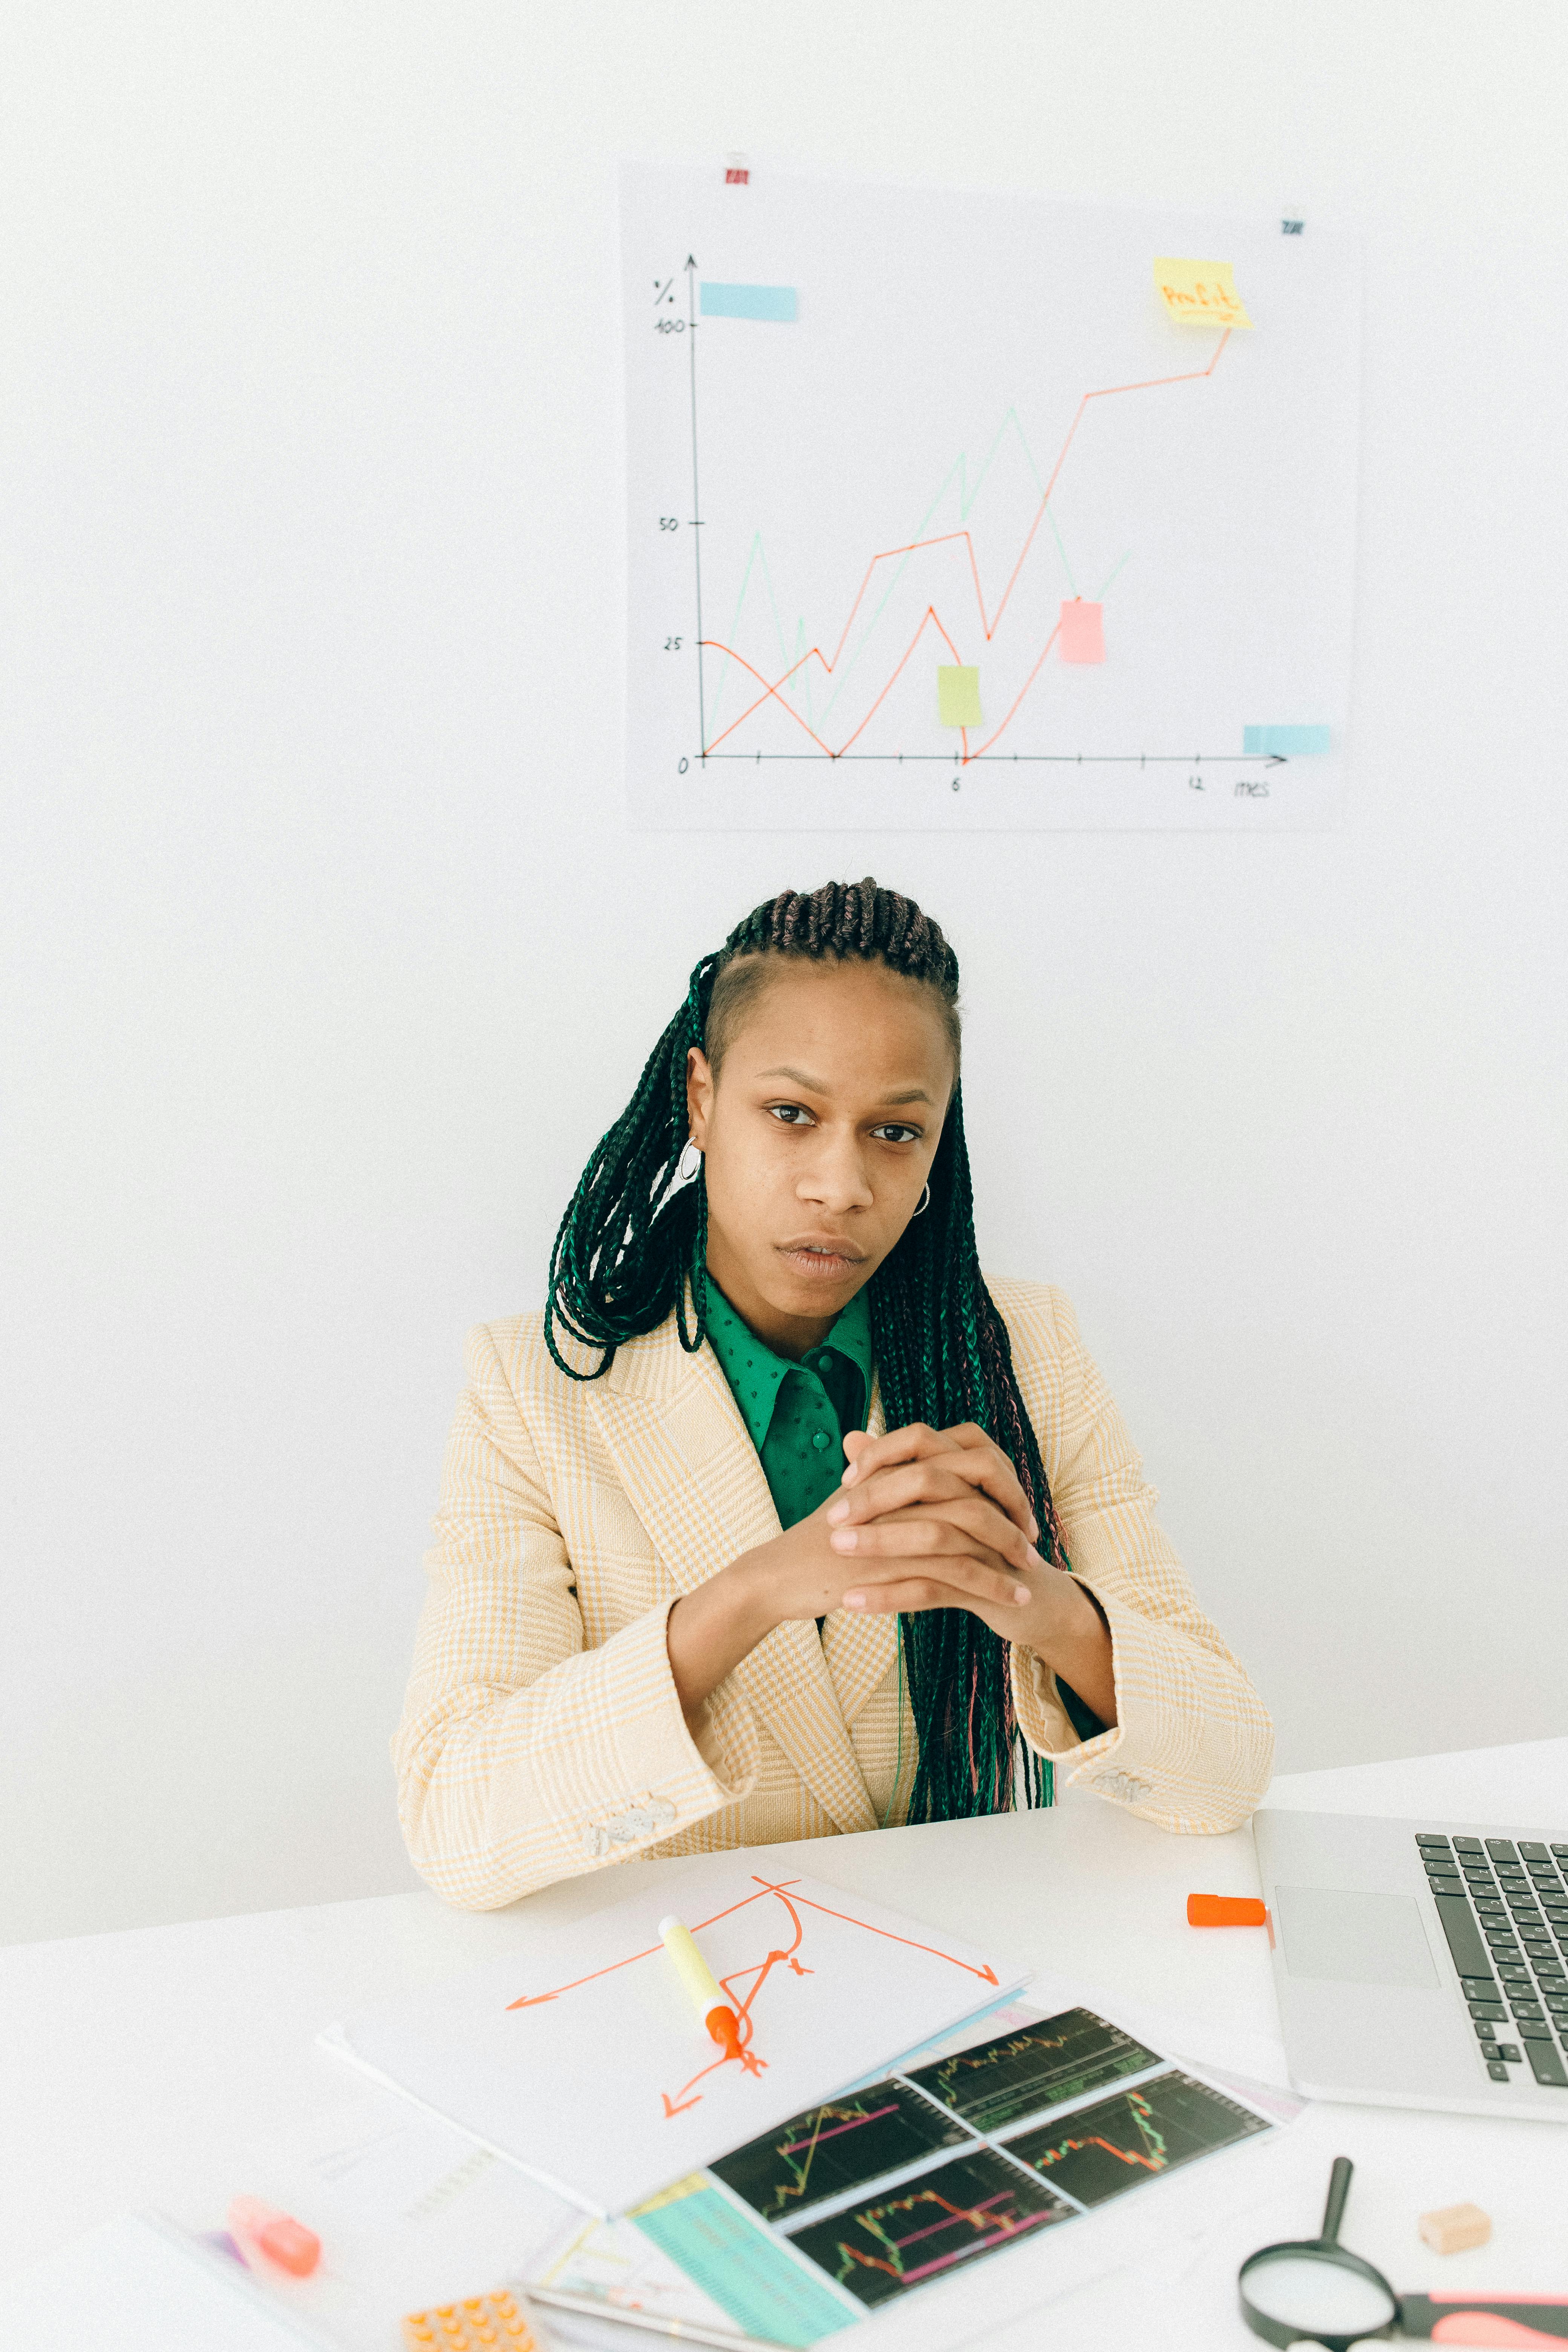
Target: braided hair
[(633, 1244)]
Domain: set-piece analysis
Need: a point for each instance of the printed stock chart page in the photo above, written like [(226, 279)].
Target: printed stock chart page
[(958, 510), (885, 2209)]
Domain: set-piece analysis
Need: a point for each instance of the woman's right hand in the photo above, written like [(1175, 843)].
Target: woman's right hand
[(962, 1549)]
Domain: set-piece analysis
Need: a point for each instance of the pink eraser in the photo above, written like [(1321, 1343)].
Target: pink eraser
[(280, 2238)]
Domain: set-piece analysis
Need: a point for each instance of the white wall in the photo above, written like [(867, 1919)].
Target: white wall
[(328, 953)]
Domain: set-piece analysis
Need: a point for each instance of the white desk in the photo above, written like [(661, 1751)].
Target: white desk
[(134, 2068)]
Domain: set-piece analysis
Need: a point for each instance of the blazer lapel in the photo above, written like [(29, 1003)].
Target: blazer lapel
[(691, 1473)]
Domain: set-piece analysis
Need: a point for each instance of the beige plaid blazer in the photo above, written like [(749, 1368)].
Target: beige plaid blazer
[(541, 1735)]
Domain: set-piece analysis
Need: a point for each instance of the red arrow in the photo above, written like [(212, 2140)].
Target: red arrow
[(532, 1999), (763, 1887), (987, 1975)]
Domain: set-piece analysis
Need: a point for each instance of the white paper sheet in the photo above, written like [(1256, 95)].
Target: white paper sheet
[(777, 2234), (583, 2061)]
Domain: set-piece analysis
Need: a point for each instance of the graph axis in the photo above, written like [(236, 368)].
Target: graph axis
[(964, 758)]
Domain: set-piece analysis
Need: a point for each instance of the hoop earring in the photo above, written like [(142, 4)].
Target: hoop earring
[(690, 1161), (924, 1202)]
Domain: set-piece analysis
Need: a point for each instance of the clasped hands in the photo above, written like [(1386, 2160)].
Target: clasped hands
[(927, 1518), (923, 1518)]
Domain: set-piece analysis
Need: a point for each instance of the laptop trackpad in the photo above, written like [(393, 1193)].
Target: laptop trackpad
[(1352, 1938)]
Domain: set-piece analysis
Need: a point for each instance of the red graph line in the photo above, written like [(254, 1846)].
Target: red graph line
[(987, 1974), (758, 1971), (989, 623), (531, 2000), (986, 2224), (1122, 2155)]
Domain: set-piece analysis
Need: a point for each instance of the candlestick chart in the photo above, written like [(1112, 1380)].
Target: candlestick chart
[(839, 2147), (1100, 2151), (1034, 2068), (907, 2235)]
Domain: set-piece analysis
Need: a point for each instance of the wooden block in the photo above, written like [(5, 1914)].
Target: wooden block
[(1454, 2228)]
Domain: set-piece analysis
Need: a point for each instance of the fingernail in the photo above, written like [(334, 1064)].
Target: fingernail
[(1035, 1559), (839, 1511), (848, 1476), (1021, 1593), (1034, 1528), (853, 1601), (844, 1539)]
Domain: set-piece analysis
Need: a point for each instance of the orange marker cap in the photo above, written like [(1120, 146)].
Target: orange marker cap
[(1226, 1911), (724, 2027)]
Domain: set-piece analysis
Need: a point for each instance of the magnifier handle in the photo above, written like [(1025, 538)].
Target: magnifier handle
[(1339, 2189), (1494, 2319)]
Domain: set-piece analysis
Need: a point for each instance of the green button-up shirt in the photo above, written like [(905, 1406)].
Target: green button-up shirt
[(797, 1414)]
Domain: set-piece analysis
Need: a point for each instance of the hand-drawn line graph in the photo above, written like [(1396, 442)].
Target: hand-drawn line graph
[(1104, 2150), (839, 2146), (999, 2082), (1011, 435), (745, 1983), (711, 746), (970, 436), (896, 2241)]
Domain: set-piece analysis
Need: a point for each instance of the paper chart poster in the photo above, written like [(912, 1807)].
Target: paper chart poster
[(940, 517)]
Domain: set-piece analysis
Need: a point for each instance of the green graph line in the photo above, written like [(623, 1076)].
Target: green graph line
[(800, 2174)]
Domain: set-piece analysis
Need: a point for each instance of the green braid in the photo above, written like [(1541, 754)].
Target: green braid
[(634, 1233)]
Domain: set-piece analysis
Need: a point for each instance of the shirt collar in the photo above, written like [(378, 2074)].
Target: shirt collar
[(756, 1374)]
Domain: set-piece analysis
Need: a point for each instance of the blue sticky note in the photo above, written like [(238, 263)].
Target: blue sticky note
[(1289, 742), (775, 302)]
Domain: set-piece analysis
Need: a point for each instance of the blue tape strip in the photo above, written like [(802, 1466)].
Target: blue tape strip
[(1290, 742), (775, 302)]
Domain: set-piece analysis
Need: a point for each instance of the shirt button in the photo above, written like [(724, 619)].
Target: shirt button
[(820, 1440)]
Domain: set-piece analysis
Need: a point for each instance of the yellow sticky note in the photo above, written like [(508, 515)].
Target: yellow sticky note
[(1200, 293), (957, 695)]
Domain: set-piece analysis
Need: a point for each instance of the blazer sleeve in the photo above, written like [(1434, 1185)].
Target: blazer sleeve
[(524, 1756), (1192, 1747)]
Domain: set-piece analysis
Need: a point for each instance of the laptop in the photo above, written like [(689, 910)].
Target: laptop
[(1420, 1964)]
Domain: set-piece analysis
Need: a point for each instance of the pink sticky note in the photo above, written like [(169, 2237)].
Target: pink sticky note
[(1081, 638)]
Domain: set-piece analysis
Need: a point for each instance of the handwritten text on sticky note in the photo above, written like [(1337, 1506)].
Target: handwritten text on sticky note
[(1200, 293)]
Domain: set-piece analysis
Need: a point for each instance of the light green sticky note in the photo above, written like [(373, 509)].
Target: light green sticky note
[(957, 695)]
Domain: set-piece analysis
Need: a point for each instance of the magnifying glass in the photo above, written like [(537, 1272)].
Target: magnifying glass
[(1315, 2291)]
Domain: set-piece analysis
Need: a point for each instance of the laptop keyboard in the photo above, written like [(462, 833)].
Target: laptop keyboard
[(1504, 1909)]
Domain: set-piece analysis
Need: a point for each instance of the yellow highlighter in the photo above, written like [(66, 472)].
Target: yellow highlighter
[(702, 1985)]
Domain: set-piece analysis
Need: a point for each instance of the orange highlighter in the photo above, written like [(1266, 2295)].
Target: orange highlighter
[(698, 1978)]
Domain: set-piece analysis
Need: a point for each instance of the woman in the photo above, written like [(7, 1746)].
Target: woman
[(779, 1520)]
